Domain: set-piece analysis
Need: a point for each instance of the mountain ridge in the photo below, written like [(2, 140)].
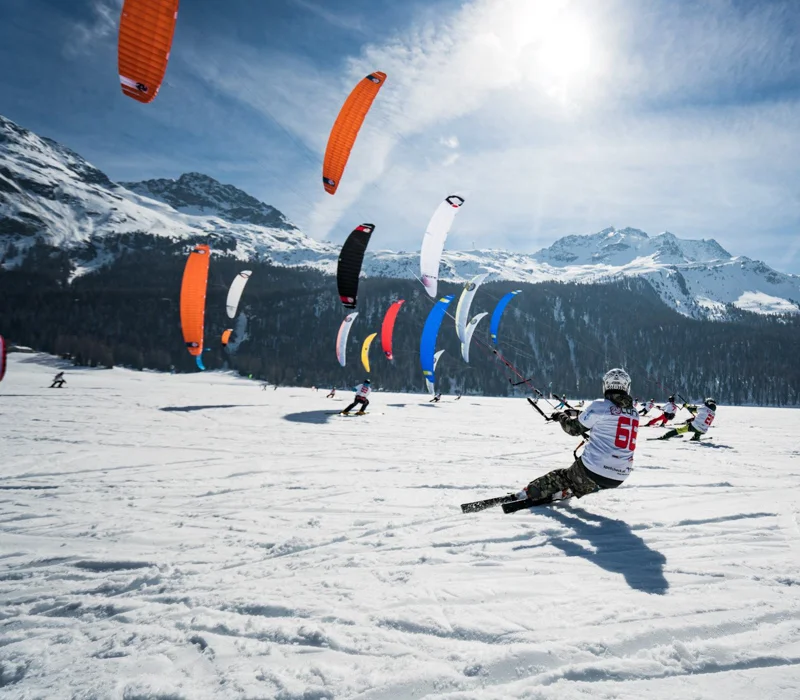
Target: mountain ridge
[(49, 193)]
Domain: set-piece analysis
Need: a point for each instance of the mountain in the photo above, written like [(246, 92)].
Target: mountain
[(51, 196), (195, 193)]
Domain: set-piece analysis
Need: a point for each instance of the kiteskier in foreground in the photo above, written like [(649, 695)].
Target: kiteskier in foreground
[(607, 459)]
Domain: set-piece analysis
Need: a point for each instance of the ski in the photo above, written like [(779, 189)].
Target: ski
[(475, 506), (514, 506)]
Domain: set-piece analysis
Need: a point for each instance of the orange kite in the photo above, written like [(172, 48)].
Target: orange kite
[(345, 129), (193, 298), (145, 38)]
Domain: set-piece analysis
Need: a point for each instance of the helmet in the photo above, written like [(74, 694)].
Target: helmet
[(616, 380), (671, 399), (366, 381), (711, 403)]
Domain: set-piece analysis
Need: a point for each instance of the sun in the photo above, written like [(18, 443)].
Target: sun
[(565, 53), (558, 49)]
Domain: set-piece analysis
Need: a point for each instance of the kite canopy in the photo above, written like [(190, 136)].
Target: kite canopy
[(365, 351), (341, 337), (429, 384), (470, 329), (193, 298), (146, 28), (427, 343), (235, 292), (387, 328), (3, 357), (433, 241), (226, 335), (494, 325), (346, 127), (200, 365), (351, 257), (465, 302)]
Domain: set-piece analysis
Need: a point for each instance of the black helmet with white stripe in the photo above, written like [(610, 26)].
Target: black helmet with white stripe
[(710, 403)]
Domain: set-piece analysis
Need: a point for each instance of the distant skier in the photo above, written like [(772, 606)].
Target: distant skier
[(332, 393), (608, 458), (362, 392), (436, 398), (701, 420), (458, 396), (647, 407), (562, 403), (669, 410), (58, 381)]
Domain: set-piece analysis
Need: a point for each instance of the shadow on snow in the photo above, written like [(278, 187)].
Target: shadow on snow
[(318, 417), (186, 409), (616, 548)]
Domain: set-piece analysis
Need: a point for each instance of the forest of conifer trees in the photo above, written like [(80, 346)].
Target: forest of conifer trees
[(561, 336)]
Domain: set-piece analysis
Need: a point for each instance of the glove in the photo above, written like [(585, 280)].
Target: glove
[(556, 415)]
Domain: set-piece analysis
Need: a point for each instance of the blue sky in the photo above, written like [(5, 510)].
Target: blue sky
[(551, 117)]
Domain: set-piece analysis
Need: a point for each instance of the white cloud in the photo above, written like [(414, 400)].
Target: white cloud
[(104, 23), (556, 116)]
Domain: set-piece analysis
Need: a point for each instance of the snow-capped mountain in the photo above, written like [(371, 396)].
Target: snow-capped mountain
[(51, 195), (195, 193)]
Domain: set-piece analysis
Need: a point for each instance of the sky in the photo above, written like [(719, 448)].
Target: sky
[(551, 117)]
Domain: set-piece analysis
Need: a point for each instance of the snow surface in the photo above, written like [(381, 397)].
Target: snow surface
[(192, 536), (759, 302)]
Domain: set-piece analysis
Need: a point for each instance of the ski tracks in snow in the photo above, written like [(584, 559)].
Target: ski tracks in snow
[(224, 552)]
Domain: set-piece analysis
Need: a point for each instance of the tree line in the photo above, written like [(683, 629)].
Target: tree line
[(560, 336)]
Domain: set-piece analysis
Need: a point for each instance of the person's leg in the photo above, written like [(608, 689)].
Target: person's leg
[(575, 478)]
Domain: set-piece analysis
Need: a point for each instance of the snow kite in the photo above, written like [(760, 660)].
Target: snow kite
[(494, 325), (365, 351), (146, 28), (341, 337), (226, 336), (351, 257), (429, 384), (465, 302), (387, 328), (433, 242), (193, 299), (430, 332), (3, 357), (470, 329), (346, 127), (235, 292)]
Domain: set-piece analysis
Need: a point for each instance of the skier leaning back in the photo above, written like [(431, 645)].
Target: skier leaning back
[(608, 458), (362, 392), (701, 420)]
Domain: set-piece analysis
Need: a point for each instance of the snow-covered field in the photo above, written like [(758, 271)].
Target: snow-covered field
[(196, 537)]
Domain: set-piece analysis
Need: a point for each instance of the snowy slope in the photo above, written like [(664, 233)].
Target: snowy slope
[(49, 193), (192, 536)]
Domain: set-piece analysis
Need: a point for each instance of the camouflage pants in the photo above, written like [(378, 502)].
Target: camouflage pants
[(575, 478)]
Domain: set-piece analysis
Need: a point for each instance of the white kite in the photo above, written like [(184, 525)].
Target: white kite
[(470, 329), (465, 302), (436, 357), (433, 242), (235, 292), (341, 338)]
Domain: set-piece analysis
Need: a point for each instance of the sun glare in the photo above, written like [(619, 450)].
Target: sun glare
[(558, 50)]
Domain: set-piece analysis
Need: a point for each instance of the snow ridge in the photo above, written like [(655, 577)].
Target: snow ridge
[(50, 194)]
